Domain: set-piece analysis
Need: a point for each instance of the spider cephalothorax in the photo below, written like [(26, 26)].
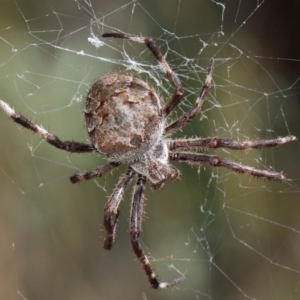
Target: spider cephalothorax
[(127, 124)]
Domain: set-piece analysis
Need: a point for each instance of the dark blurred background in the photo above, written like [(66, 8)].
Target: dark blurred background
[(233, 236)]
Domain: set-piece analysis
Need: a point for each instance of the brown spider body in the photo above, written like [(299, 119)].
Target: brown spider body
[(126, 124)]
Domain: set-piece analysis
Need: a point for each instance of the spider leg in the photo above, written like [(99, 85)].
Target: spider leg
[(214, 143), (172, 77), (52, 139), (111, 211), (136, 216), (99, 172), (188, 117), (202, 160)]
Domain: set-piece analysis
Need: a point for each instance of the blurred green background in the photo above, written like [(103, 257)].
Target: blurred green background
[(233, 236)]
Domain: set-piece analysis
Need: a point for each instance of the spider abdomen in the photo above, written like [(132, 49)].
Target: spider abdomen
[(123, 117)]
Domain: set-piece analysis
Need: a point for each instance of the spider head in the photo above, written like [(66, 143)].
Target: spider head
[(154, 164)]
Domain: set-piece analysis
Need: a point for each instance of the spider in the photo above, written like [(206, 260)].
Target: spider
[(126, 124)]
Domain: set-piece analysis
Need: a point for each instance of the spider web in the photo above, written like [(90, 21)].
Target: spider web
[(234, 237)]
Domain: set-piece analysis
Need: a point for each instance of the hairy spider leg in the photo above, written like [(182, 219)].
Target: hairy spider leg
[(52, 139), (99, 172), (111, 208), (188, 117), (214, 143), (136, 216), (202, 160)]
